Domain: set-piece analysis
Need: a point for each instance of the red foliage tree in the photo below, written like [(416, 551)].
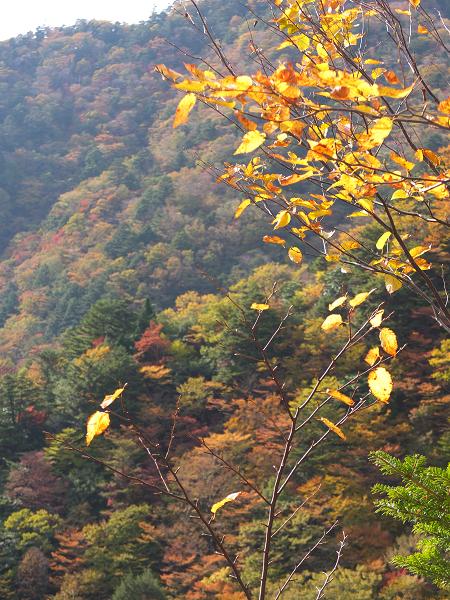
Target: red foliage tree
[(152, 346), (33, 485)]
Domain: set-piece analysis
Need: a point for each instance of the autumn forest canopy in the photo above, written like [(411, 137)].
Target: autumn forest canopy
[(224, 312)]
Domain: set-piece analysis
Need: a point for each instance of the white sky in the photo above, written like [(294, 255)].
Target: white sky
[(21, 16)]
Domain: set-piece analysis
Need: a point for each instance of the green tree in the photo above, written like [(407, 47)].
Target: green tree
[(110, 320), (33, 528), (422, 500), (139, 587), (123, 543)]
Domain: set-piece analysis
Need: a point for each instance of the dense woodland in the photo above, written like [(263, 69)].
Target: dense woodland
[(119, 256)]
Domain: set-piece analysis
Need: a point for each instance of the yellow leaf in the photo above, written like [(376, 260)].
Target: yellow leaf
[(251, 141), (338, 302), (360, 298), (422, 29), (167, 73), (215, 507), (380, 384), (372, 356), (392, 284), (96, 425), (399, 194), (393, 92), (414, 3), (300, 41), (256, 306), (295, 254), (377, 72), (331, 322), (274, 239), (375, 321), (388, 341), (381, 129), (342, 397), (358, 213), (419, 250), (333, 427), (296, 177), (242, 206), (383, 239), (294, 127), (376, 134), (110, 399), (190, 86), (282, 219), (184, 107), (406, 164)]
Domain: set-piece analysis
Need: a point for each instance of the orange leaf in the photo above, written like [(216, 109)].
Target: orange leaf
[(295, 254)]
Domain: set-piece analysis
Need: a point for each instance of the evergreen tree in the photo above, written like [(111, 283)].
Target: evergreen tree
[(111, 321), (422, 500), (141, 587)]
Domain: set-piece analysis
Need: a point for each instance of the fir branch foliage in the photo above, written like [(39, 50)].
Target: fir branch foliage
[(423, 500)]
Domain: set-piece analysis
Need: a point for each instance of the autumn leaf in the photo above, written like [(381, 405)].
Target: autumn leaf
[(295, 254), (372, 356), (406, 164), (110, 399), (419, 250), (282, 219), (392, 284), (376, 320), (247, 123), (242, 206), (388, 341), (381, 242), (338, 302), (398, 194), (331, 322), (250, 141), (394, 92), (184, 107), (360, 298), (380, 130), (96, 425), (340, 396), (215, 507), (380, 384), (444, 106), (274, 239), (333, 427), (256, 306), (430, 155)]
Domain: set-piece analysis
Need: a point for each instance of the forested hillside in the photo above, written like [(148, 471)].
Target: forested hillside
[(122, 266), (103, 199)]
